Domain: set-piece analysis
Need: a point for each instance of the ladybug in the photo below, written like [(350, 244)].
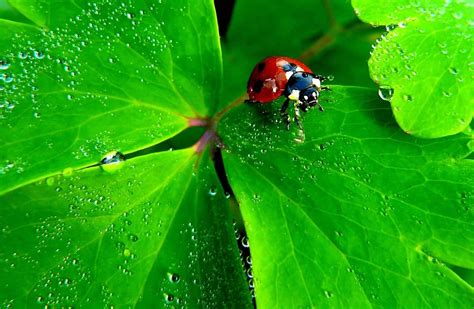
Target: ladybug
[(276, 76)]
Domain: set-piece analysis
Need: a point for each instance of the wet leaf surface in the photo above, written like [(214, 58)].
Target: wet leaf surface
[(360, 214), (154, 232), (96, 77)]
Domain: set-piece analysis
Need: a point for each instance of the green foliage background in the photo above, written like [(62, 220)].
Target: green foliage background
[(372, 206)]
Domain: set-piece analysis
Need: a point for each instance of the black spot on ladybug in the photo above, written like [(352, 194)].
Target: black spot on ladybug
[(261, 66), (257, 87)]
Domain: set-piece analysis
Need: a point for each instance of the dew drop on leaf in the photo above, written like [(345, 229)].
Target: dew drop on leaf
[(174, 278), (328, 294), (38, 54), (50, 181), (213, 191), (447, 94), (402, 24), (4, 65), (7, 78), (22, 55), (385, 93), (112, 161), (168, 297), (245, 242)]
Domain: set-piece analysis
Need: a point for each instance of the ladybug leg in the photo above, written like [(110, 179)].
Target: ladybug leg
[(284, 113), (298, 116), (325, 88)]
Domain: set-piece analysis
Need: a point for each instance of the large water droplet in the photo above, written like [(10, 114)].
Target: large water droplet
[(385, 93), (112, 161)]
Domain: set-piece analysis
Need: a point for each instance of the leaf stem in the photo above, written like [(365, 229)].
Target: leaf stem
[(240, 100), (333, 24)]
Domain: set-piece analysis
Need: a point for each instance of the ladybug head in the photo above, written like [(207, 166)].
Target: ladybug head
[(303, 88), (308, 98)]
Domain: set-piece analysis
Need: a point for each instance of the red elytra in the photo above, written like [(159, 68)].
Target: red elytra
[(269, 77)]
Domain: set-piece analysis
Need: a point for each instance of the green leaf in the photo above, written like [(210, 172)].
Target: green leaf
[(149, 234), (426, 61), (7, 12), (92, 78), (359, 214)]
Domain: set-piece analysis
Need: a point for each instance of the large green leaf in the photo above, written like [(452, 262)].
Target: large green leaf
[(96, 76), (424, 65), (153, 233), (359, 214)]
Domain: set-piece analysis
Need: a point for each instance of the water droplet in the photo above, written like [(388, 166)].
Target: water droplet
[(168, 297), (402, 24), (328, 294), (4, 65), (50, 181), (112, 161), (385, 93), (453, 71), (38, 54), (127, 252), (7, 78), (245, 242), (133, 237), (22, 55), (37, 115), (173, 277), (447, 93), (213, 191), (408, 98)]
